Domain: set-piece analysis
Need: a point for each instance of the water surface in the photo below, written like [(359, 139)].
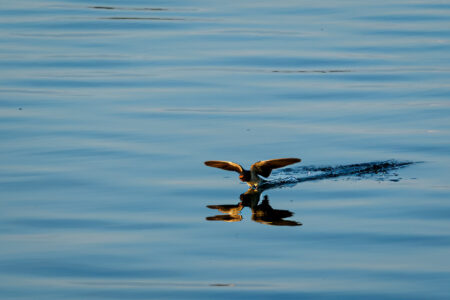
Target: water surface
[(108, 110)]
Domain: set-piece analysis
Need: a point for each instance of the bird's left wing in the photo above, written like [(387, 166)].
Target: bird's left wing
[(225, 165)]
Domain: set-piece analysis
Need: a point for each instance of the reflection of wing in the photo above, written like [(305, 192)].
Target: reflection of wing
[(227, 208), (277, 222), (226, 165), (231, 210), (270, 213), (265, 167), (225, 218), (265, 214)]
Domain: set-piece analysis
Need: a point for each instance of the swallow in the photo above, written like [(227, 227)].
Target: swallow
[(259, 168)]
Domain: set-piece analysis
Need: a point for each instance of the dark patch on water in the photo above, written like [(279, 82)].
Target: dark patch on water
[(129, 8), (143, 18), (310, 71), (222, 284)]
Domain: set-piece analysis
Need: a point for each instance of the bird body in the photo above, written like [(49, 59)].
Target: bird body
[(259, 168)]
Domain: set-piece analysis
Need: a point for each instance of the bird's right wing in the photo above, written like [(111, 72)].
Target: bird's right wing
[(226, 165), (265, 167)]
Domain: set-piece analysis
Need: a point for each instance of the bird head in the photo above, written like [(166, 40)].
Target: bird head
[(245, 176)]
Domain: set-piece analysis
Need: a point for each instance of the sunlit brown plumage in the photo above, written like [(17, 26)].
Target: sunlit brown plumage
[(226, 165), (265, 167), (260, 168)]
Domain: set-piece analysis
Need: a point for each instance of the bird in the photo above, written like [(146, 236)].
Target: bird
[(259, 168)]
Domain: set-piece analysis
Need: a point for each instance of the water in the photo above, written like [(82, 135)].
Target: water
[(109, 109)]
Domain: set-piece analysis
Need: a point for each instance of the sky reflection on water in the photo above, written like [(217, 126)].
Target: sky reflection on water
[(109, 109)]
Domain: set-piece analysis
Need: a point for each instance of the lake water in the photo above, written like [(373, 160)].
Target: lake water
[(108, 110)]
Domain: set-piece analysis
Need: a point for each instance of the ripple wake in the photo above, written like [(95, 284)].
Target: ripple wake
[(378, 170)]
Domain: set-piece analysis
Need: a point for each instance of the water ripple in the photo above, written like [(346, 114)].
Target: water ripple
[(378, 170)]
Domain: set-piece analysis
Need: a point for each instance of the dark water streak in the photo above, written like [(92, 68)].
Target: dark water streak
[(379, 170)]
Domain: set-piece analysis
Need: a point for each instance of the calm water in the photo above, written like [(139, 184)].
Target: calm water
[(108, 110)]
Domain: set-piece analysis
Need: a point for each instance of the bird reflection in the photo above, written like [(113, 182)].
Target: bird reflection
[(265, 214), (261, 212)]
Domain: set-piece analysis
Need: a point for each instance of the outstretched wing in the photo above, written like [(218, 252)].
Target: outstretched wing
[(265, 167), (226, 165)]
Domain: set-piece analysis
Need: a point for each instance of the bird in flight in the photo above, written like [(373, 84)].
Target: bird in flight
[(259, 168)]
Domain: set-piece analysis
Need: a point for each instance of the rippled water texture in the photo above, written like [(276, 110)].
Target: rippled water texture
[(109, 109)]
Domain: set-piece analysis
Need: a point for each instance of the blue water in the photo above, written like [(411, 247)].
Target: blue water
[(108, 110)]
